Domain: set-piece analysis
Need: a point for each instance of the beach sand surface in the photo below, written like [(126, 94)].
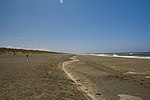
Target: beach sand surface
[(37, 77), (111, 78)]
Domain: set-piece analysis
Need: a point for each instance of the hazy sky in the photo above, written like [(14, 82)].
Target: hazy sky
[(76, 25)]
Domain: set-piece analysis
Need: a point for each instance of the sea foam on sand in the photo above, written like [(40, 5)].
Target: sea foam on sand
[(106, 55)]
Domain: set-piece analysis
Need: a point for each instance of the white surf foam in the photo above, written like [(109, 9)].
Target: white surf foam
[(114, 55)]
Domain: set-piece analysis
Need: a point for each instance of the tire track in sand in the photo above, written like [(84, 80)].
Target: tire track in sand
[(88, 94)]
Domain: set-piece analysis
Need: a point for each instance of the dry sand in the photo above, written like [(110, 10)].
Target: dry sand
[(110, 78), (36, 78), (83, 77)]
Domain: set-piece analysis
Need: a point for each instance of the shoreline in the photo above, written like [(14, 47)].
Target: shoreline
[(134, 57)]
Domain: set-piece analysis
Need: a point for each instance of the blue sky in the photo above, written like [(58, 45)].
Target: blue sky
[(76, 25)]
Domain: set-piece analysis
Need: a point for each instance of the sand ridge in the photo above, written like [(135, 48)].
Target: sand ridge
[(89, 91)]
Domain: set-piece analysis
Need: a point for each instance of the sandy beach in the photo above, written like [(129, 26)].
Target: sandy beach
[(68, 77), (37, 77), (74, 49), (111, 78)]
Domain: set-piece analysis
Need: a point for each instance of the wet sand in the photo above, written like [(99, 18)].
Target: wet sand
[(111, 78), (38, 77)]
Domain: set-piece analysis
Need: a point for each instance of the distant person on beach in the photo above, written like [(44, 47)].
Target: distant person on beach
[(27, 55)]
